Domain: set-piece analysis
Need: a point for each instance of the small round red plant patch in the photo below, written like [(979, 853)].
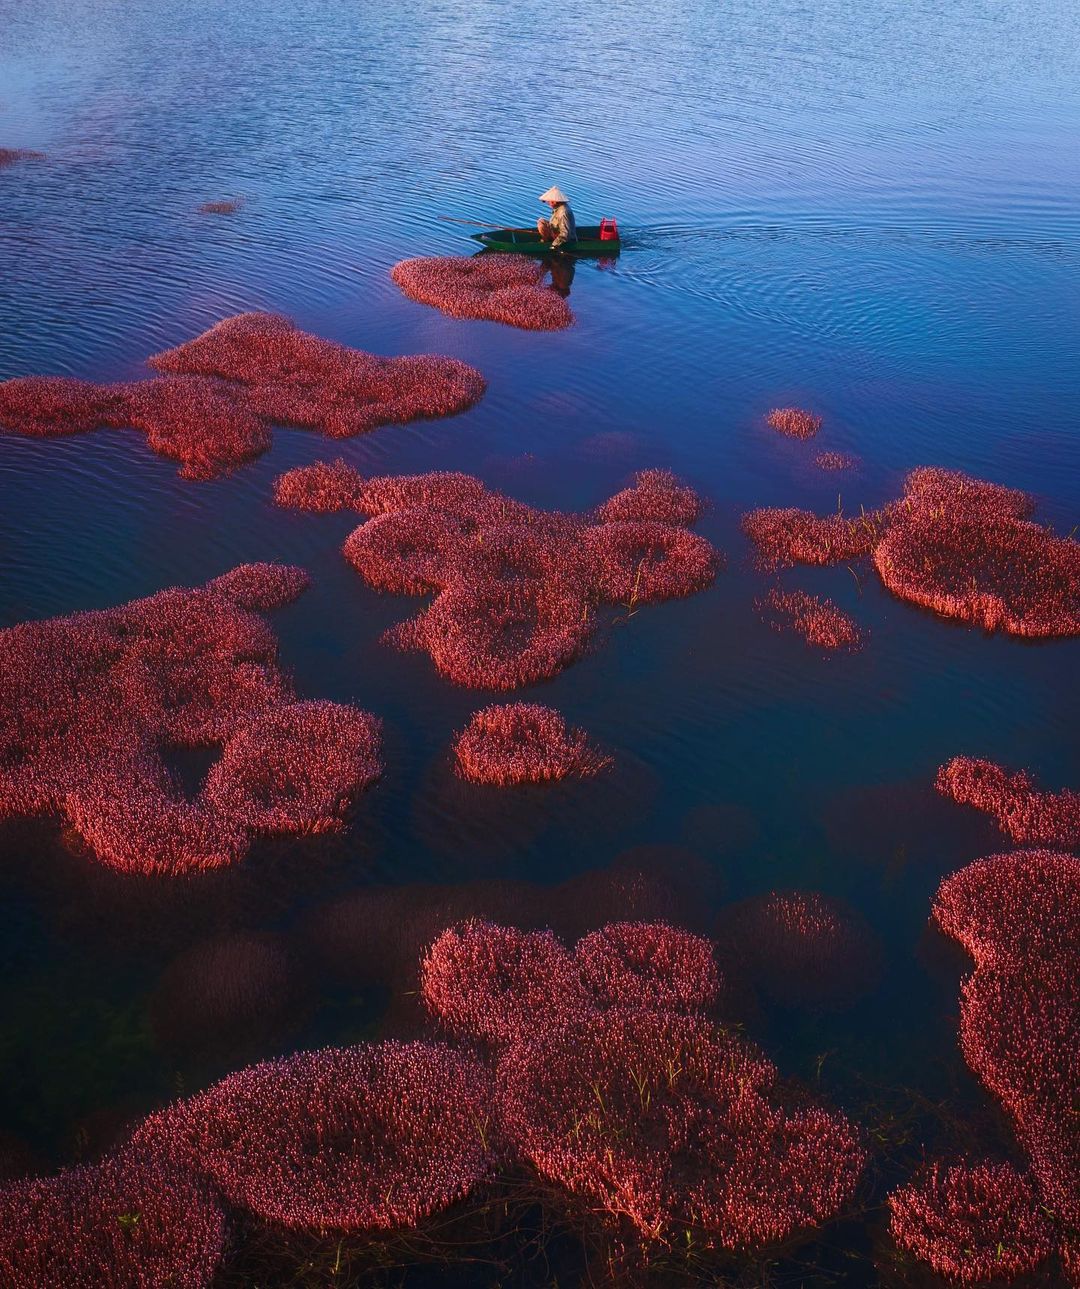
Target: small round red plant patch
[(524, 743), (794, 422)]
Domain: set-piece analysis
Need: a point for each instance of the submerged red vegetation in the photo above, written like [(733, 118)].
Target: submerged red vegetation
[(972, 1223), (1030, 817), (836, 461), (669, 1123), (516, 587), (88, 703), (500, 288), (801, 948), (8, 156), (794, 422), (345, 1139), (524, 743), (819, 621), (228, 206), (1018, 916), (213, 408), (134, 1219), (962, 547)]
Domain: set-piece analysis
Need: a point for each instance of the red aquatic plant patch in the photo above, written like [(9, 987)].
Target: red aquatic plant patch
[(788, 536), (972, 1223), (818, 621), (835, 461), (800, 948), (499, 984), (962, 547), (651, 965), (794, 422), (1001, 574), (671, 1124), (1018, 916), (516, 587), (343, 1139), (131, 1220), (8, 156), (213, 408), (501, 288), (524, 743), (1030, 817), (88, 703), (296, 378), (227, 206)]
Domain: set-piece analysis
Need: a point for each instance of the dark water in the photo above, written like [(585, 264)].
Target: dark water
[(872, 210)]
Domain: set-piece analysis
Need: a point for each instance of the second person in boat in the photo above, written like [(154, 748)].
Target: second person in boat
[(560, 230)]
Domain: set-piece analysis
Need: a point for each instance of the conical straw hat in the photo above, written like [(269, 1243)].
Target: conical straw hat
[(554, 194)]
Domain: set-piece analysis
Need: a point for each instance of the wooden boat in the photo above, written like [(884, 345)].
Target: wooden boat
[(527, 241)]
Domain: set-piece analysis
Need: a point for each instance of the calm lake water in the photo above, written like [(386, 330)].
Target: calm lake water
[(873, 210)]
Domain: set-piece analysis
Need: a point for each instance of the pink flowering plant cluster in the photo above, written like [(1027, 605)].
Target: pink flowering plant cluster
[(1030, 817), (597, 1070), (960, 547), (88, 702), (212, 406), (499, 288), (516, 589), (1017, 916)]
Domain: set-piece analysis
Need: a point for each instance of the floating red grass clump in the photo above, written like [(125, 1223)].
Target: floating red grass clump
[(8, 156), (800, 948), (499, 984), (212, 409), (131, 1220), (1018, 916), (88, 702), (672, 1124), (835, 461), (232, 990), (499, 288), (344, 1139), (649, 965), (788, 536), (1030, 817), (228, 206), (524, 743), (820, 622), (794, 422), (972, 1223), (516, 587), (961, 547)]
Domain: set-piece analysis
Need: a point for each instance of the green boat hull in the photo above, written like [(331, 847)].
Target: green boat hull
[(527, 241)]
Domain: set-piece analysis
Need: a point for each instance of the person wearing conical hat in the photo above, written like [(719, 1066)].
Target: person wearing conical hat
[(560, 230)]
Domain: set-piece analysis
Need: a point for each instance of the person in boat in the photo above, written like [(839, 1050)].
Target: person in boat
[(560, 230)]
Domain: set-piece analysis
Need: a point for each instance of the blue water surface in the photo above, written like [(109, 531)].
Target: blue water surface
[(871, 210)]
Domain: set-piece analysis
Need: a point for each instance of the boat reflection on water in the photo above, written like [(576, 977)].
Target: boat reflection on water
[(562, 269)]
